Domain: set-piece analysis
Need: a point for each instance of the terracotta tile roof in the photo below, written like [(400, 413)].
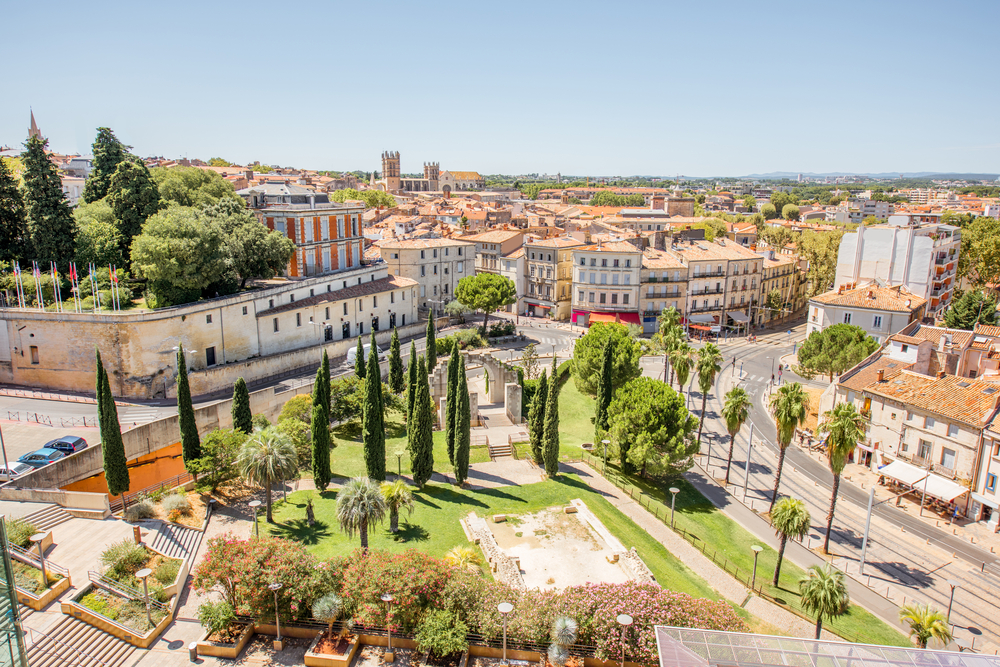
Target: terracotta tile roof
[(558, 242), (495, 236), (657, 259), (465, 175), (609, 246), (421, 243), (869, 374), (987, 330), (349, 292), (700, 251), (959, 338), (894, 299), (515, 254), (960, 399)]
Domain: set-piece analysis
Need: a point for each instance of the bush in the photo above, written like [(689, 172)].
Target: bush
[(467, 339), (99, 605), (176, 503), (19, 532), (216, 617), (123, 559), (298, 407), (259, 422), (167, 570), (141, 510), (219, 450), (502, 329), (441, 634), (174, 516)]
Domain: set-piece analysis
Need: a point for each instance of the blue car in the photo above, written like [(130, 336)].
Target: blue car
[(67, 444), (41, 457)]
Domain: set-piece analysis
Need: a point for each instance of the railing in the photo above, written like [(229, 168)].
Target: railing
[(120, 503), (32, 559), (85, 659), (122, 590), (718, 290), (710, 274), (701, 309)]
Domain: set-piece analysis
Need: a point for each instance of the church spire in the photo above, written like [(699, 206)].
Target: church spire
[(33, 131)]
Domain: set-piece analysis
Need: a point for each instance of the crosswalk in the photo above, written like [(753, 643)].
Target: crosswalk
[(137, 415)]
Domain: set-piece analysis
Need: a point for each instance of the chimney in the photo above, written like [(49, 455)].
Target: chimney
[(312, 201), (940, 375), (941, 343), (840, 290), (947, 339), (881, 375)]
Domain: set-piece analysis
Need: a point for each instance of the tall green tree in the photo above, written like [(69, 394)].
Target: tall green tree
[(432, 355), (486, 292), (536, 420), (680, 364), (735, 411), (396, 382), (651, 428), (973, 307), (108, 153), (926, 623), (845, 428), (709, 365), (359, 360), (463, 428), (254, 252), (605, 390), (588, 356), (823, 591), (50, 218), (550, 431), (324, 369), (112, 447), (397, 497), (267, 456), (789, 407), (451, 403), (835, 350), (820, 249), (372, 420), (190, 442), (191, 186), (133, 197), (320, 447), (789, 518), (15, 237), (360, 504), (422, 434), (411, 385), (242, 416)]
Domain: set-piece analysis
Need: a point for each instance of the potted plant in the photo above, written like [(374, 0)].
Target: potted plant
[(328, 648), (564, 631), (225, 636)]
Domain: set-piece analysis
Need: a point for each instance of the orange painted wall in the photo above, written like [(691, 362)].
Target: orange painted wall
[(143, 472)]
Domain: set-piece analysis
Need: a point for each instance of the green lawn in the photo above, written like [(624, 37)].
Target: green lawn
[(576, 421), (434, 525)]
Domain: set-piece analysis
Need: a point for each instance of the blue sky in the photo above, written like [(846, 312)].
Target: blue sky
[(602, 88)]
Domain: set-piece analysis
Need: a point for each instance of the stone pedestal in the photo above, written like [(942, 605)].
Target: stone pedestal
[(512, 402)]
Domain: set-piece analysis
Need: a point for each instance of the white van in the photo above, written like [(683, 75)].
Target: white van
[(352, 353)]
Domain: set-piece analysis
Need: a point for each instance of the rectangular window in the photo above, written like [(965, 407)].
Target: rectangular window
[(614, 279), (531, 288), (298, 319), (925, 449), (628, 278), (604, 262), (435, 269), (583, 261), (275, 324), (929, 422), (593, 261), (435, 252), (604, 297), (581, 296), (461, 265), (593, 278), (991, 482), (614, 298), (616, 263), (604, 279), (392, 297), (210, 356), (423, 270), (628, 263), (847, 318), (340, 227), (34, 354), (244, 310), (948, 458), (591, 299), (531, 271), (625, 299), (422, 291), (422, 252), (208, 319), (877, 322)]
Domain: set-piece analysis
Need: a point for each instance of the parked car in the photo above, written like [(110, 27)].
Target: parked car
[(41, 457), (13, 470), (352, 353), (67, 444)]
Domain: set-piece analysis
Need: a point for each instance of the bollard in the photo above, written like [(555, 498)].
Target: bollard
[(193, 651)]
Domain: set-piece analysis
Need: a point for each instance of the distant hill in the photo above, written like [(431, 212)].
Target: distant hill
[(930, 175)]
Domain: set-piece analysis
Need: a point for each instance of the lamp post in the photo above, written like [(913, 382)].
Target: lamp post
[(143, 574), (275, 587), (756, 552), (954, 584), (37, 539), (673, 498), (399, 464), (389, 655), (254, 504), (505, 608), (605, 442), (624, 620)]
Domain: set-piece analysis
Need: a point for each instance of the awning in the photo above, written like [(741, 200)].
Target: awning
[(701, 319), (698, 327), (943, 488), (902, 471), (623, 318), (911, 475), (737, 316), (601, 317), (985, 501)]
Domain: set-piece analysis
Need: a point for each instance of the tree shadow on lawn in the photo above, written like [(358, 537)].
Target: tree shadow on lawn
[(409, 532), (300, 531)]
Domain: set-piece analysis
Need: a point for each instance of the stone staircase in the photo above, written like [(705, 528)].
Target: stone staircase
[(172, 540), (500, 449), (73, 643), (47, 517)]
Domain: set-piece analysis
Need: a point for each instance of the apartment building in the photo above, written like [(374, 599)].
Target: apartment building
[(663, 284), (513, 266), (880, 311), (492, 245), (724, 281), (606, 283), (435, 264), (550, 277), (781, 274)]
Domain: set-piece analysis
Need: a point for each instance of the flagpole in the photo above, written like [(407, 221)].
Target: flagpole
[(56, 291), (38, 285), (19, 285)]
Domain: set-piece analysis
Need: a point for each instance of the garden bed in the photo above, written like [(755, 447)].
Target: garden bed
[(337, 651), (31, 591), (228, 644), (190, 518), (118, 616)]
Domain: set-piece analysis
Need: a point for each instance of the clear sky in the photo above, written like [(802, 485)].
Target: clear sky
[(605, 88)]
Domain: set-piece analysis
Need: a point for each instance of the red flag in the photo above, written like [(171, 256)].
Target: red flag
[(72, 272)]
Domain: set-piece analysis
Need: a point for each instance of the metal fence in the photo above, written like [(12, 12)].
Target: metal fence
[(121, 502)]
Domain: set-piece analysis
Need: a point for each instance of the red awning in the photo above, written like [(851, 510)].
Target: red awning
[(623, 318), (698, 327), (602, 317)]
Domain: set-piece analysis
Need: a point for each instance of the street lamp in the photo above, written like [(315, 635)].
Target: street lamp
[(605, 442), (673, 498), (389, 655), (756, 552), (275, 587), (624, 620), (143, 574), (254, 504), (399, 464), (37, 539), (505, 608), (954, 584)]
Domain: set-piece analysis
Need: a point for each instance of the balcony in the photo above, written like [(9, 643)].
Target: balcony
[(697, 292), (706, 309), (615, 307), (709, 274)]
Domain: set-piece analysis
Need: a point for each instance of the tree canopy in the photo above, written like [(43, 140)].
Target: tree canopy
[(191, 186), (50, 218), (133, 197), (254, 252), (608, 198), (973, 306), (790, 212), (651, 417), (820, 249), (979, 259), (371, 198), (588, 356), (108, 152), (835, 349), (15, 238), (486, 292)]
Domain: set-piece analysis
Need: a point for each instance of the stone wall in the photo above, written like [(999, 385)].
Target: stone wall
[(504, 568), (633, 564), (500, 374)]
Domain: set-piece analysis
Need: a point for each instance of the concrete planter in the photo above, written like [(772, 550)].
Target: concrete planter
[(313, 659), (39, 603), (133, 637), (220, 650)]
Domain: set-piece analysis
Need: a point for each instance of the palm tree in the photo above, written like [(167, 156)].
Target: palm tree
[(709, 365), (669, 319), (680, 364), (925, 623), (789, 407), (397, 496), (267, 455), (790, 518), (464, 558), (670, 339), (360, 503), (736, 411), (328, 608), (846, 428), (824, 593)]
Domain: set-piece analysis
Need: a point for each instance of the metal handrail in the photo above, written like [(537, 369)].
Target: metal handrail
[(31, 558), (123, 590), (52, 639), (119, 504)]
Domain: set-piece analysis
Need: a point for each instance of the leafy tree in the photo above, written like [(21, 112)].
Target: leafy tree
[(242, 416), (536, 419), (108, 152), (845, 429), (789, 518), (320, 447), (179, 253), (769, 211), (219, 450), (98, 239), (327, 608), (486, 292), (298, 408), (372, 419), (299, 434), (50, 218), (191, 186), (112, 447), (709, 365), (820, 249), (253, 251), (790, 212), (974, 306), (778, 236), (463, 428), (652, 428), (979, 257), (774, 303), (735, 411), (133, 197), (605, 391), (190, 442), (431, 342), (588, 356), (681, 358), (397, 496), (360, 365), (395, 364), (823, 592), (266, 456), (421, 434), (835, 349), (371, 198), (360, 504), (750, 202), (324, 376), (550, 430), (781, 199), (15, 237), (529, 361), (451, 403), (925, 624), (789, 406), (219, 162)]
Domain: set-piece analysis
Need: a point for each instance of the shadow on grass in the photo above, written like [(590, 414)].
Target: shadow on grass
[(409, 532), (300, 531)]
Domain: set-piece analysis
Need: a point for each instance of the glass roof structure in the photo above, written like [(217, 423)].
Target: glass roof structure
[(690, 647)]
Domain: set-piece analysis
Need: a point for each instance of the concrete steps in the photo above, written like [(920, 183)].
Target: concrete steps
[(500, 449), (73, 643), (45, 519), (174, 541)]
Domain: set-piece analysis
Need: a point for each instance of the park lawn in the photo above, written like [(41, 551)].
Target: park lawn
[(434, 525), (576, 421)]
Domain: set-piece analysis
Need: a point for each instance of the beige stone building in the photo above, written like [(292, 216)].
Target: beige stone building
[(783, 274), (664, 280), (435, 264), (492, 245), (606, 283), (550, 277)]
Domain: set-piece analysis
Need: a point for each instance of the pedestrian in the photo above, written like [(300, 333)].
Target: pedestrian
[(772, 378)]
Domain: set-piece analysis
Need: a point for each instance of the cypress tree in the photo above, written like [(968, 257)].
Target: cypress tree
[(605, 390), (550, 433), (451, 403), (422, 434), (327, 389), (372, 423), (432, 355), (108, 153), (134, 197), (15, 238), (190, 442), (50, 218), (411, 383), (359, 360), (320, 447), (463, 428), (536, 419), (395, 364), (242, 417), (112, 447), (318, 390)]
